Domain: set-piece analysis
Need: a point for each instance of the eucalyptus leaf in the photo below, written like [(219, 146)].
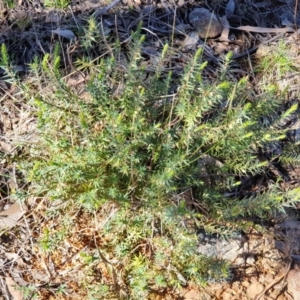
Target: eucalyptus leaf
[(66, 33)]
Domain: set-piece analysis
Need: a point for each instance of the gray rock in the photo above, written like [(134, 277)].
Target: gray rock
[(205, 22), (231, 250)]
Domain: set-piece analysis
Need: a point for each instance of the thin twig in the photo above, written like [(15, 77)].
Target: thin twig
[(275, 281)]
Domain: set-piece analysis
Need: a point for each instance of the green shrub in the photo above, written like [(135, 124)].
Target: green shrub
[(140, 144), (56, 3)]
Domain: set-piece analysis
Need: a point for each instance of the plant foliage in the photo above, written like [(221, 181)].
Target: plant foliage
[(137, 143)]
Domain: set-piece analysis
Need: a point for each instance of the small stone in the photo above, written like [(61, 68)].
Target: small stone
[(236, 285), (218, 293), (250, 260), (263, 50), (254, 289), (293, 280), (227, 296), (269, 277), (232, 291), (205, 22)]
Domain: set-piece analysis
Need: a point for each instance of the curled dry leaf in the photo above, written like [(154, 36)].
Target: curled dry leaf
[(14, 289), (225, 31), (264, 29), (190, 41), (66, 33), (10, 217), (5, 147)]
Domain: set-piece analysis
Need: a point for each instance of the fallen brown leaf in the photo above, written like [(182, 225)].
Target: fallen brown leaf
[(10, 217), (14, 289)]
